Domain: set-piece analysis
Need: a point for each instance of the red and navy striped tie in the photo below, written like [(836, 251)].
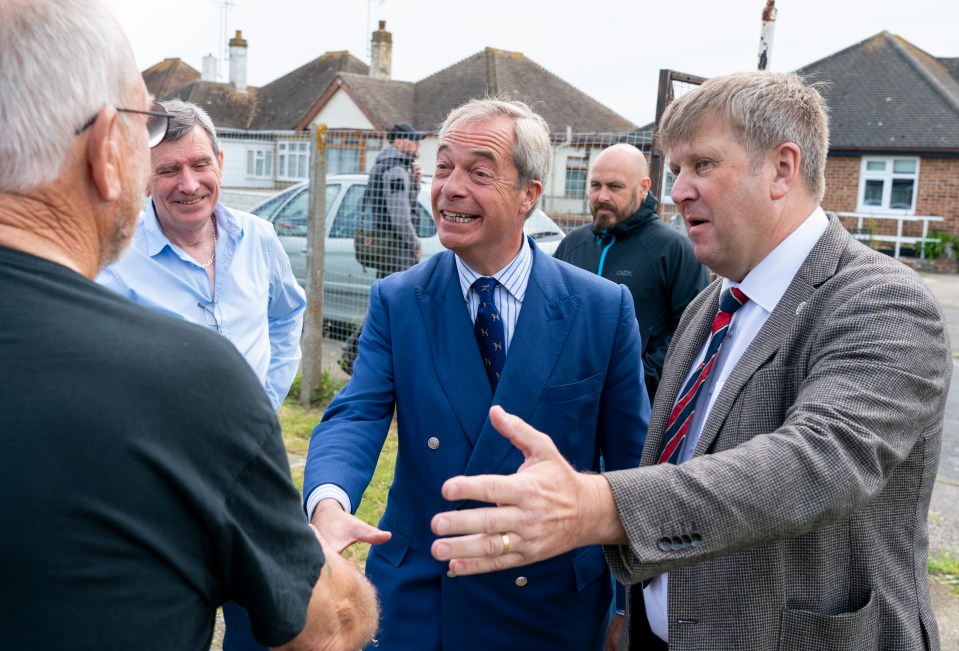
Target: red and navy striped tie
[(682, 415)]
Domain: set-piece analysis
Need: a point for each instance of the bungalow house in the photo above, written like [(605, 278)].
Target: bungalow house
[(894, 137), (892, 171), (168, 75), (264, 129)]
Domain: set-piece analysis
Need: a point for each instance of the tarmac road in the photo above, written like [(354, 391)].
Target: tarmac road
[(949, 459), (946, 289), (944, 510)]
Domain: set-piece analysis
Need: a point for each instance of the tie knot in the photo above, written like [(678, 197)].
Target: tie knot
[(732, 299), (484, 286)]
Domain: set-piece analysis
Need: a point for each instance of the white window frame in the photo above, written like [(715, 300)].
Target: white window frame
[(666, 192), (580, 164), (293, 154), (259, 157), (887, 175)]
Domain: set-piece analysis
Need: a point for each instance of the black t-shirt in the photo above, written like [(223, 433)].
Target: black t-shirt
[(143, 479)]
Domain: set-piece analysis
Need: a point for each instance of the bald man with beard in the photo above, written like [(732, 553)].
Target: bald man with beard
[(628, 244)]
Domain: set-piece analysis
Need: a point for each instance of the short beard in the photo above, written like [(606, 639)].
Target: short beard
[(605, 222)]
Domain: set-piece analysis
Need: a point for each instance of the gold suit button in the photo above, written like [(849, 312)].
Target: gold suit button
[(521, 581), (451, 574), (433, 442)]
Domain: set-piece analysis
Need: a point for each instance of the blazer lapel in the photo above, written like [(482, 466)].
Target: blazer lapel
[(543, 327), (453, 347), (688, 341), (775, 331)]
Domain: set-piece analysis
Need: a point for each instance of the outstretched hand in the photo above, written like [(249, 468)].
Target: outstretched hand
[(545, 509), (340, 529)]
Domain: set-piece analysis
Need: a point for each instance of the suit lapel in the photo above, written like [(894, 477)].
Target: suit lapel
[(543, 327), (688, 341), (819, 265), (453, 347)]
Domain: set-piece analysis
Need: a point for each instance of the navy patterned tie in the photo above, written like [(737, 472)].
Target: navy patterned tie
[(489, 331), (682, 415)]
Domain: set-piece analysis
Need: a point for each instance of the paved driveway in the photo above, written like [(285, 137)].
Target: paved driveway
[(946, 289)]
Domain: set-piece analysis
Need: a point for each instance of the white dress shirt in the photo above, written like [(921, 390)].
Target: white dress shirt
[(765, 286)]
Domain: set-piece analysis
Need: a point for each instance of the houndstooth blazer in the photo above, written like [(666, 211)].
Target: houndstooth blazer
[(801, 520)]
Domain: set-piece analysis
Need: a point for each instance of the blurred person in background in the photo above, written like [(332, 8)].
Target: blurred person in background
[(629, 244), (390, 200)]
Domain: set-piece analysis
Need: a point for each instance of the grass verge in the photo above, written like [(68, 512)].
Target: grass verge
[(945, 567), (298, 422)]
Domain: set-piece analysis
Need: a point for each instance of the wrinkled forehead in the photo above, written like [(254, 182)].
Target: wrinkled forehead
[(492, 138)]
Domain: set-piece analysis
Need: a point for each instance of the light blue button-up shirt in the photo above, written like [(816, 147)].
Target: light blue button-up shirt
[(256, 302)]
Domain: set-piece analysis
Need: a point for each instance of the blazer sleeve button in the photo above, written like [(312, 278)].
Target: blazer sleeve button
[(521, 581)]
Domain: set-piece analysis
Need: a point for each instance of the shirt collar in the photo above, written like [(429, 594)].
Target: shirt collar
[(514, 277), (155, 240), (769, 280)]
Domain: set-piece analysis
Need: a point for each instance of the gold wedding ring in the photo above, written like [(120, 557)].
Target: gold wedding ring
[(505, 544)]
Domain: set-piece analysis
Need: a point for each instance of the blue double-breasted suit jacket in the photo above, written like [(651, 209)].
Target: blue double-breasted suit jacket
[(573, 371)]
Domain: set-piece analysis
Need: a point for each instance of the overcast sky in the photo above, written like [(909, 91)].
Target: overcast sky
[(610, 49)]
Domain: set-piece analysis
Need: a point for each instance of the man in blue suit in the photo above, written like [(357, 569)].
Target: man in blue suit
[(491, 321)]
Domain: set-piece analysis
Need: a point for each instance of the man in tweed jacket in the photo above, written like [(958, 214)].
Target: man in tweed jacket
[(796, 515)]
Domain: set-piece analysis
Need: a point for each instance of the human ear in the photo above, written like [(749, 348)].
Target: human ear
[(646, 185), (533, 191), (786, 159), (104, 154)]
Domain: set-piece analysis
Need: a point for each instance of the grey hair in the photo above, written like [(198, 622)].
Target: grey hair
[(187, 115), (61, 62), (764, 110), (532, 151)]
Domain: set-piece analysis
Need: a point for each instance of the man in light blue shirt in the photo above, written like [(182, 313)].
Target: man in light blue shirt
[(193, 258)]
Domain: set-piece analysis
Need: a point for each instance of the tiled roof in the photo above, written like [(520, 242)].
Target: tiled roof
[(511, 75), (283, 103), (385, 101), (952, 65), (228, 107), (292, 101), (168, 75), (885, 94)]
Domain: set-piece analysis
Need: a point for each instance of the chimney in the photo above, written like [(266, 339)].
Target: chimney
[(381, 53), (238, 61), (209, 68)]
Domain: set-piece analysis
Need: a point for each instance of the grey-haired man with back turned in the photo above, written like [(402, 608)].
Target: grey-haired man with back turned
[(142, 473)]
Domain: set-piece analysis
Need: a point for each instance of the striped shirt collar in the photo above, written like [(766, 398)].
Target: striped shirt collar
[(514, 277)]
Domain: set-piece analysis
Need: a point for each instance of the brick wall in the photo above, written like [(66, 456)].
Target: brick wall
[(842, 183), (938, 192)]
